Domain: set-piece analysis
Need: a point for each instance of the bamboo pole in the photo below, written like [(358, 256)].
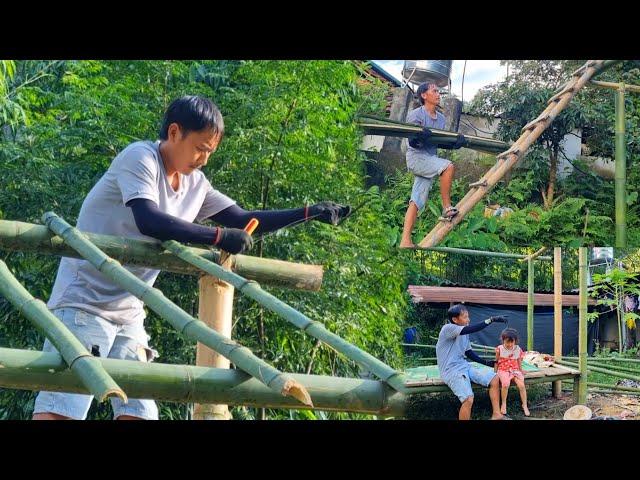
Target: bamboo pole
[(33, 370), (480, 253), (615, 367), (582, 326), (616, 86), (530, 302), (605, 371), (603, 359), (28, 237), (508, 159), (311, 327), (557, 313), (621, 171), (83, 365), (215, 309), (614, 387), (178, 318), (438, 137)]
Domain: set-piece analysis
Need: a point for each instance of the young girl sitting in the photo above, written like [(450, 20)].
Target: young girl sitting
[(509, 366)]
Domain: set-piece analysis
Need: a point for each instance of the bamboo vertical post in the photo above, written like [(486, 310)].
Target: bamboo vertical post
[(530, 300), (581, 388), (620, 171), (557, 313), (215, 308)]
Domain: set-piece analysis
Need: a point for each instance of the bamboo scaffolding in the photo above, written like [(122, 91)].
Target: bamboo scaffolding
[(188, 326), (509, 158), (84, 366), (301, 321), (28, 237), (530, 301), (32, 370)]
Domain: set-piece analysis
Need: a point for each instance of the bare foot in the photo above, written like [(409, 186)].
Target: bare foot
[(503, 410), (526, 411), (497, 417), (407, 244)]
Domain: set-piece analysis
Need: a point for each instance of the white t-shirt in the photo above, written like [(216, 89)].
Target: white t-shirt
[(136, 172)]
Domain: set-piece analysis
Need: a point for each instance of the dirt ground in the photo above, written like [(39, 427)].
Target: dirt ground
[(603, 405)]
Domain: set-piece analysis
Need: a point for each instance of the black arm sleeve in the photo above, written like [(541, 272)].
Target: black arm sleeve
[(473, 356), (157, 224), (473, 328), (270, 220)]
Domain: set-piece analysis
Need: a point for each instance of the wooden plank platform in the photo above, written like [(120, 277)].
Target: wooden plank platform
[(431, 382)]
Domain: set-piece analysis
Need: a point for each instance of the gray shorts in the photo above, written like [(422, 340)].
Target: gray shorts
[(126, 342), (425, 167)]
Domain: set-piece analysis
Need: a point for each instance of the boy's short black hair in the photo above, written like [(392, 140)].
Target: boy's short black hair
[(456, 311), (423, 87), (192, 114), (509, 334)]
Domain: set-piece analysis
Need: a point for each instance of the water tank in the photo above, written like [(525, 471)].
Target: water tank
[(434, 71)]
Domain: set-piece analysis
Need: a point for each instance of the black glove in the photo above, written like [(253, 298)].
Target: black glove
[(420, 140), (461, 141), (234, 240), (497, 319), (329, 212)]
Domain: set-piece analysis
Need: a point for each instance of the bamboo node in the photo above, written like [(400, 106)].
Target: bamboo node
[(297, 391)]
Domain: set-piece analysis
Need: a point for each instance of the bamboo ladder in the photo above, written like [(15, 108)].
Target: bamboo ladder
[(509, 158)]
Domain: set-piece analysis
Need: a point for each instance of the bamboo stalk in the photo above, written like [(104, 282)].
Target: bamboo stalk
[(301, 321), (215, 308), (438, 137), (614, 387), (32, 370), (582, 326), (605, 371), (557, 312), (604, 359), (601, 390), (616, 86), (615, 367), (479, 253), (83, 365), (178, 318), (28, 237), (620, 172), (511, 157), (530, 302)]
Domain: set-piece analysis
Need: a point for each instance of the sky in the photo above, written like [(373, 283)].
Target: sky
[(477, 74)]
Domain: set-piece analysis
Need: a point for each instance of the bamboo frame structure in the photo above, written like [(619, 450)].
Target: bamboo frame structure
[(178, 318), (185, 383), (314, 328), (509, 158), (29, 237), (83, 365)]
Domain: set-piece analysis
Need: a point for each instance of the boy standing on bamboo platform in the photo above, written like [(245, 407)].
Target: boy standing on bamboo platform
[(452, 351), (423, 162), (152, 190)]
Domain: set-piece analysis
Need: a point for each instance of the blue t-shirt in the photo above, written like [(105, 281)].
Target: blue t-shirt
[(450, 351)]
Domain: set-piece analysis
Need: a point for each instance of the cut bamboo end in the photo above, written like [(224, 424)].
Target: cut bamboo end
[(114, 393), (297, 391)]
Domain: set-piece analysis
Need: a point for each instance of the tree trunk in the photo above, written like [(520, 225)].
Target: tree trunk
[(553, 174)]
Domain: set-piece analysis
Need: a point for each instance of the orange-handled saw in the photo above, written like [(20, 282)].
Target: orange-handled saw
[(249, 228)]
